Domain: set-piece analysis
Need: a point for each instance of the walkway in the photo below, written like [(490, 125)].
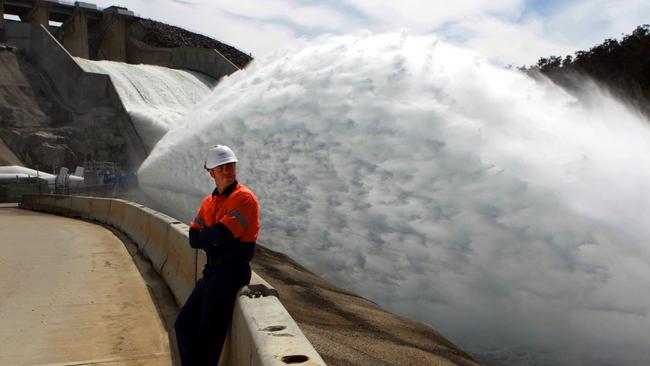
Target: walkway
[(70, 294)]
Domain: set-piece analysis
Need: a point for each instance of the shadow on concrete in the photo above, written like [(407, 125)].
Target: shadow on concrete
[(160, 293)]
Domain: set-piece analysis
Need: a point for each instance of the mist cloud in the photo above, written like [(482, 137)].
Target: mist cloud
[(501, 211)]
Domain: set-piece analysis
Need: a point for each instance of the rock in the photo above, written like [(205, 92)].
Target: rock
[(48, 136), (6, 47), (158, 34), (48, 154)]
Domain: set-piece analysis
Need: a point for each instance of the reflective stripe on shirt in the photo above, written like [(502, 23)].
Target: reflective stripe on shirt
[(199, 221), (240, 218)]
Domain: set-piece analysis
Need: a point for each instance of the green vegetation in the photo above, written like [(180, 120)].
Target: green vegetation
[(623, 66)]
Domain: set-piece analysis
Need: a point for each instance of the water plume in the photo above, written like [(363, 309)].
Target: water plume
[(500, 210)]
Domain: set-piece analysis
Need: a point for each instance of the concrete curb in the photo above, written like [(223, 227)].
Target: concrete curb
[(79, 207), (134, 222), (270, 337), (262, 332), (179, 268), (116, 213), (157, 238)]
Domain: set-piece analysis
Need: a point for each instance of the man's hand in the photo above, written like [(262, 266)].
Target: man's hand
[(195, 240), (215, 236)]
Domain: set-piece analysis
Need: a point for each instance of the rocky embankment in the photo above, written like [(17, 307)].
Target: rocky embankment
[(40, 131), (158, 34), (347, 329)]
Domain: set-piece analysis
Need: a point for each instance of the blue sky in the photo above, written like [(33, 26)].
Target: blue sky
[(512, 32)]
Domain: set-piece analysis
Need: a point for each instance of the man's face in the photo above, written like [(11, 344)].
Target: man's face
[(224, 175)]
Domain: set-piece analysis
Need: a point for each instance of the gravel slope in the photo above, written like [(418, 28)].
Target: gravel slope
[(347, 329)]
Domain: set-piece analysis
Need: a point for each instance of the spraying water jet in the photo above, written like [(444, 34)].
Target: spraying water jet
[(498, 209)]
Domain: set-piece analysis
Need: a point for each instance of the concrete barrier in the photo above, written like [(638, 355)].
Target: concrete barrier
[(116, 213), (79, 206), (134, 222), (29, 201), (179, 270), (99, 208), (157, 242), (262, 332), (46, 203), (62, 204), (265, 334)]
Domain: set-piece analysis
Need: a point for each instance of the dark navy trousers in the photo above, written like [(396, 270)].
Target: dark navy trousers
[(202, 323)]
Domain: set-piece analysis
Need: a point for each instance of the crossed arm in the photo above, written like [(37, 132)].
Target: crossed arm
[(210, 237)]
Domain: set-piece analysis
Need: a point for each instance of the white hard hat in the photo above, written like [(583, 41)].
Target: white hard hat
[(219, 155)]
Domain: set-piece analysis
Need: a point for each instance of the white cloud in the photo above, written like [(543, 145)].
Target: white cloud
[(419, 16), (506, 31), (250, 35), (309, 16), (506, 42), (585, 23)]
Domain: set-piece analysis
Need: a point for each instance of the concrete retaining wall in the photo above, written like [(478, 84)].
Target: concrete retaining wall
[(140, 53), (206, 61), (262, 331), (17, 34), (81, 91)]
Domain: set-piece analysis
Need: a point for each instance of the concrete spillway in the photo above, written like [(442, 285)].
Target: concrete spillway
[(155, 97), (107, 118)]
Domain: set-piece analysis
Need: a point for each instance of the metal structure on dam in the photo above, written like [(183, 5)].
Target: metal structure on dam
[(102, 34)]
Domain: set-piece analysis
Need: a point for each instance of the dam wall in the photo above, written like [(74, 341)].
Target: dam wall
[(112, 34), (17, 34), (262, 331), (80, 91), (46, 36), (204, 60)]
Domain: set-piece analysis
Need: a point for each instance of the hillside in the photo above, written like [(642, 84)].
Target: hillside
[(621, 65), (159, 34), (347, 329), (39, 130)]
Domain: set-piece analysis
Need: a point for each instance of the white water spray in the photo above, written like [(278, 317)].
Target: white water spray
[(499, 210), (156, 98)]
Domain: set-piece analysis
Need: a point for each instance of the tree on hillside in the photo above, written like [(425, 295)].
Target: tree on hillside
[(623, 66)]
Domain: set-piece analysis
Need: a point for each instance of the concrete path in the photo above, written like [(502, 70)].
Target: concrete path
[(70, 294)]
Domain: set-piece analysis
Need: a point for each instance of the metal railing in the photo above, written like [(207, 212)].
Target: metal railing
[(11, 192)]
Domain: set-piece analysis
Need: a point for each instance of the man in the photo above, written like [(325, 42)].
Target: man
[(226, 227)]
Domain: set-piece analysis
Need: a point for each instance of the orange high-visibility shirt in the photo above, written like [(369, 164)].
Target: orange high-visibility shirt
[(237, 208)]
